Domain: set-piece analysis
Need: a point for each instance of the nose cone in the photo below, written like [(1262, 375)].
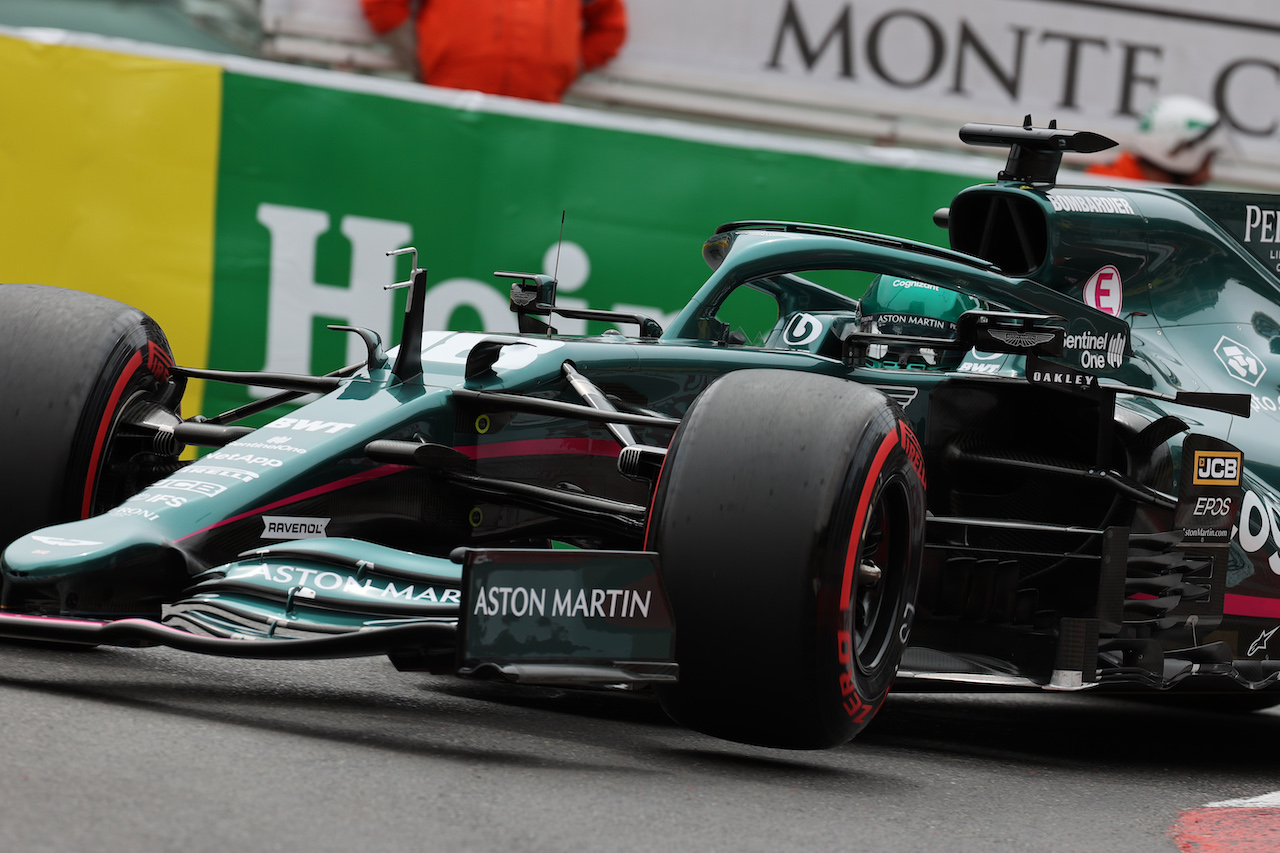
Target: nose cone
[(92, 545)]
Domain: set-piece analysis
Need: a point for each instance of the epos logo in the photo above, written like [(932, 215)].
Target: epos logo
[(1217, 468), (1105, 291)]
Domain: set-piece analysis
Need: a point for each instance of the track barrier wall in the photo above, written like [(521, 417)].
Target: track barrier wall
[(247, 204)]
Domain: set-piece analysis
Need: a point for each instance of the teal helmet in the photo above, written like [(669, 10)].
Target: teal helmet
[(903, 306)]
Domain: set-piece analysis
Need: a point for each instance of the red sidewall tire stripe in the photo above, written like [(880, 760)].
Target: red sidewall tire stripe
[(104, 428), (860, 517)]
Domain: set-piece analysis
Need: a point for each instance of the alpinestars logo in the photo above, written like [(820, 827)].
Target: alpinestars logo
[(1260, 644), (1240, 361)]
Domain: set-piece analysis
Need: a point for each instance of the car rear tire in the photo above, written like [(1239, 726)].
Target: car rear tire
[(71, 364), (777, 488)]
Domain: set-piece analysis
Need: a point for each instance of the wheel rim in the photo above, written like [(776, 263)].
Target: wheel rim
[(876, 599), (130, 458)]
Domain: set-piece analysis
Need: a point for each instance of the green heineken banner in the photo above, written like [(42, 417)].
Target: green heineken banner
[(315, 175)]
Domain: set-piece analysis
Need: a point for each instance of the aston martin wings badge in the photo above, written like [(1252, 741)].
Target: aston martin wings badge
[(1021, 338)]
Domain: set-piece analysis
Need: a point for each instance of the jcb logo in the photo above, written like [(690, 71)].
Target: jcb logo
[(1217, 468)]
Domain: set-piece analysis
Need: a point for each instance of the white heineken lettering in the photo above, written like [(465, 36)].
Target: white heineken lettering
[(296, 298)]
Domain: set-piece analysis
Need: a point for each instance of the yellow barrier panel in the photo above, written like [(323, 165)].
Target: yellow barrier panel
[(108, 172)]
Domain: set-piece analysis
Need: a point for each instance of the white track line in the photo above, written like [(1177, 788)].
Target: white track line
[(1266, 801)]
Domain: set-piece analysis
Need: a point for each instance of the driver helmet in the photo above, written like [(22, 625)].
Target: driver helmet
[(904, 306), (1179, 133)]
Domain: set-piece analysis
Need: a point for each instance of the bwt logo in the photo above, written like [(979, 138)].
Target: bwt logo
[(1217, 468)]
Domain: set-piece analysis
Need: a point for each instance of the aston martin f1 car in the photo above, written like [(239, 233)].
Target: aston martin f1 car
[(1042, 458)]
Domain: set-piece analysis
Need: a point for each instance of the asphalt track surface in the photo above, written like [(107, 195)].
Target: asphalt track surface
[(154, 750)]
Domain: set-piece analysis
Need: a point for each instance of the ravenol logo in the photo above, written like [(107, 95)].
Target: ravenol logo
[(1217, 468), (1240, 361)]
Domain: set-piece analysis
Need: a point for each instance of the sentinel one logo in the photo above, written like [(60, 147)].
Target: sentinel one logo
[(1217, 468), (1240, 361)]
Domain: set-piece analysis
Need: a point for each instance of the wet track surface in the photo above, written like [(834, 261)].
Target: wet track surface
[(140, 750)]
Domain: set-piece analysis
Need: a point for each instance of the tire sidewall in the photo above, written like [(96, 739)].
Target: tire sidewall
[(759, 639), (138, 366), (886, 466), (70, 362)]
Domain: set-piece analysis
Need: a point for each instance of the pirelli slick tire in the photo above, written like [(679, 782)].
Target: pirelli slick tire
[(70, 364), (789, 523)]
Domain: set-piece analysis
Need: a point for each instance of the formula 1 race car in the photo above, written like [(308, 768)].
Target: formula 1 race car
[(1042, 458)]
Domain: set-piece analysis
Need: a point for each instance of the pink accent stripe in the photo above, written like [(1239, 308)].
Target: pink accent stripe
[(860, 518), (498, 450), (46, 620), (354, 479), (1250, 605), (543, 447)]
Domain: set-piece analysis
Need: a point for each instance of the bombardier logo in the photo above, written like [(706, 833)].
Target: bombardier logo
[(289, 527), (1090, 203), (1217, 468)]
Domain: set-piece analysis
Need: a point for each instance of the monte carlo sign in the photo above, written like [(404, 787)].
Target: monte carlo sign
[(1089, 63)]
